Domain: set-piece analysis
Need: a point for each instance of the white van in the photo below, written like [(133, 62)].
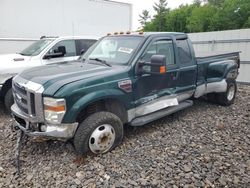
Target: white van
[(45, 51)]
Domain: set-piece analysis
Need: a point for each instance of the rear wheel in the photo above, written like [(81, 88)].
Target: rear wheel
[(227, 98), (98, 133), (8, 100)]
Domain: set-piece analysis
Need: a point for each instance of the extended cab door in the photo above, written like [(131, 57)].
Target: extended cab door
[(187, 64), (70, 52), (155, 92)]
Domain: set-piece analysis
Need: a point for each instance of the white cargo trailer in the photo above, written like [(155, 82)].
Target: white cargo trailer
[(23, 22)]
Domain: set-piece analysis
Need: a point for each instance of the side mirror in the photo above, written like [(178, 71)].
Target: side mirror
[(62, 49), (157, 65), (60, 52), (82, 51)]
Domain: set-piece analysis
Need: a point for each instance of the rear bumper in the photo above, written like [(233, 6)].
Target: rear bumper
[(43, 131)]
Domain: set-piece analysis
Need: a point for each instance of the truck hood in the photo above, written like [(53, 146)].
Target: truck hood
[(12, 63), (54, 76)]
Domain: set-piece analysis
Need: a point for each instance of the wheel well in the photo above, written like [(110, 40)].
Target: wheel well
[(110, 105), (7, 85)]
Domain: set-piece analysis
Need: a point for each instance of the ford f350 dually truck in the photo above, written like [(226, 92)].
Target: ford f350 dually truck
[(126, 78), (45, 51)]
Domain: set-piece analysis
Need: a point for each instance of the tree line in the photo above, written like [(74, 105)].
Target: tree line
[(200, 16)]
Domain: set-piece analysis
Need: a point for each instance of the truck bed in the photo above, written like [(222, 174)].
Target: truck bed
[(213, 69), (205, 57)]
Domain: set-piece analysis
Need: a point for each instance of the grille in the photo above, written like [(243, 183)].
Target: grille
[(24, 100)]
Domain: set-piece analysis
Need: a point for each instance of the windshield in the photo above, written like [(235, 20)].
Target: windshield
[(117, 50), (36, 47)]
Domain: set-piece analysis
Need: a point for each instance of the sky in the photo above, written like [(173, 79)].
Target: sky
[(139, 5)]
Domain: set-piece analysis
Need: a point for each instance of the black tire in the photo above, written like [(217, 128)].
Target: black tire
[(90, 124), (8, 100), (223, 98), (211, 97)]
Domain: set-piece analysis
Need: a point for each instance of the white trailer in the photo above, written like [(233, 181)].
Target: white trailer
[(23, 22)]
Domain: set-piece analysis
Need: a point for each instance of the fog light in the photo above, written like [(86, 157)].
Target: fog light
[(34, 126), (43, 128)]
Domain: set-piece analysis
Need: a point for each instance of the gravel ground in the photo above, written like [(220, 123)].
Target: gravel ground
[(204, 146)]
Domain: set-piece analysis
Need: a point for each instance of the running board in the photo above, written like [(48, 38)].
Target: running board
[(161, 113)]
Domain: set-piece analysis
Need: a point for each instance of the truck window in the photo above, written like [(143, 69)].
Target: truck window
[(69, 45), (36, 48), (184, 51), (160, 47), (83, 44), (114, 49)]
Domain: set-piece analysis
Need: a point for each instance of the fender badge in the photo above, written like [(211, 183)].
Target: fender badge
[(125, 85)]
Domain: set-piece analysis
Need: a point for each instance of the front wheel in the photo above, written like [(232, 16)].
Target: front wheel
[(227, 98), (98, 133)]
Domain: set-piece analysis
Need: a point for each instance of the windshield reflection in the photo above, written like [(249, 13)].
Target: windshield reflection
[(114, 49)]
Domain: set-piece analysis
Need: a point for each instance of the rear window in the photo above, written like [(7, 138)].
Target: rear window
[(184, 51)]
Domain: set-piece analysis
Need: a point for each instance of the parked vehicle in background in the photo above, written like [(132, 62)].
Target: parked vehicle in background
[(48, 50), (122, 79)]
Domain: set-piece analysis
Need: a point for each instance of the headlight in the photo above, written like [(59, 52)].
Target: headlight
[(54, 110)]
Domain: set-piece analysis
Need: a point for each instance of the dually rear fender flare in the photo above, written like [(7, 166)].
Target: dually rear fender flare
[(231, 72)]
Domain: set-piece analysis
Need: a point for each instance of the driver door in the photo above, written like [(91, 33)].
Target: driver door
[(155, 92)]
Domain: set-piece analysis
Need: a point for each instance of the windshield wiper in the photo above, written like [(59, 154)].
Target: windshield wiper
[(101, 61)]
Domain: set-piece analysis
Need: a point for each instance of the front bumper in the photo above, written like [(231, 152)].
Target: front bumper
[(55, 132), (1, 86)]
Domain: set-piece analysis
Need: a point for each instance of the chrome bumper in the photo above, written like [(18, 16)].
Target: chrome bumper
[(33, 129), (1, 86)]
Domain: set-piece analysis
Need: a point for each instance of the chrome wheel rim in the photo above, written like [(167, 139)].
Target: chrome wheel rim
[(102, 139), (231, 93)]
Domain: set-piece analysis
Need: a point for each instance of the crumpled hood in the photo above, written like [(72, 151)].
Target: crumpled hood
[(54, 76), (13, 63)]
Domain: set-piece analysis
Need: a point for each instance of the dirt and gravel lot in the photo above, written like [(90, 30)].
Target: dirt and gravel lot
[(204, 146)]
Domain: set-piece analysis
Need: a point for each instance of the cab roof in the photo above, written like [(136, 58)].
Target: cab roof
[(148, 34), (70, 37)]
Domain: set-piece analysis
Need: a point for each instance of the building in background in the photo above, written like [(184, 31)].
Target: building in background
[(23, 22), (225, 41)]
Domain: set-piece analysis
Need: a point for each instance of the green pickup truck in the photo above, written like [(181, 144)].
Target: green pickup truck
[(124, 79)]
